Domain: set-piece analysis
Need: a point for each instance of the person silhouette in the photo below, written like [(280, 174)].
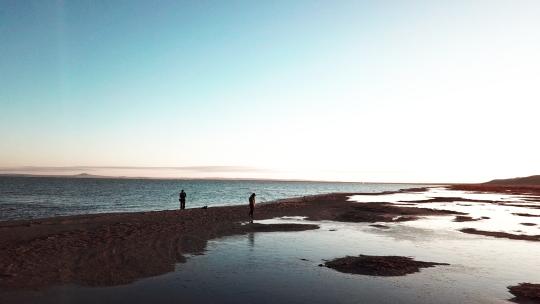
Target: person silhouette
[(182, 200), (251, 206)]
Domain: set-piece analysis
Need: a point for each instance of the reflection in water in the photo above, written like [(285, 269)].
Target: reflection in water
[(498, 210), (436, 192), (284, 269), (251, 238), (114, 254)]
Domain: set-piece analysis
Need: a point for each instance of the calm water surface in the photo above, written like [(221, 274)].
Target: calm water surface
[(35, 197), (267, 268), (282, 267)]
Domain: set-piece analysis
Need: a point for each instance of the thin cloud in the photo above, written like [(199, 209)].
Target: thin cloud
[(64, 169)]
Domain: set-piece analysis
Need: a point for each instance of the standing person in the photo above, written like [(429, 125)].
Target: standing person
[(251, 206), (182, 200)]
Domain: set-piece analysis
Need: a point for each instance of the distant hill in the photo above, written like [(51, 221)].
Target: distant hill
[(533, 180), (81, 175), (86, 175)]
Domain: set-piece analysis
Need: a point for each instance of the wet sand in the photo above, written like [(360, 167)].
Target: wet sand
[(113, 249), (526, 214), (120, 248), (525, 293), (379, 265), (505, 235), (379, 226), (461, 218), (507, 189)]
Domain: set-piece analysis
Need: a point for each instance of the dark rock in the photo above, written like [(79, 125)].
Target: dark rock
[(379, 265)]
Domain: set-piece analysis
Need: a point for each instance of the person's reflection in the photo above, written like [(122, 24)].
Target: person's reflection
[(251, 239)]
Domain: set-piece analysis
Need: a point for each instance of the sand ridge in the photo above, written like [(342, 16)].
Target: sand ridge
[(118, 248)]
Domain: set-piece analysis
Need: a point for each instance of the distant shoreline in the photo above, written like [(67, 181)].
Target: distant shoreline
[(83, 249), (90, 176)]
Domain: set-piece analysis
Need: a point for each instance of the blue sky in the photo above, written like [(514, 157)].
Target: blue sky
[(347, 90)]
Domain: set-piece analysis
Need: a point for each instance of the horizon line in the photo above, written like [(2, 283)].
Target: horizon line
[(91, 176)]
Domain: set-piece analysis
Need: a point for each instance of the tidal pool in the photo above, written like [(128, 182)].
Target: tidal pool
[(282, 267), (500, 209)]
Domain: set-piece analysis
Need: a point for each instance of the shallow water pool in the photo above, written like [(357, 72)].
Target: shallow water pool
[(282, 267)]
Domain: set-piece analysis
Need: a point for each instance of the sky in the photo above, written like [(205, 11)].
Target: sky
[(393, 91)]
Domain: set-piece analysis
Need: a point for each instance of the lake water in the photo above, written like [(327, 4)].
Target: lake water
[(37, 197), (282, 267)]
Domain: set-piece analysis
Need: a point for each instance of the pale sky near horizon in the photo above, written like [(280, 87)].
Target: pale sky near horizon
[(397, 91)]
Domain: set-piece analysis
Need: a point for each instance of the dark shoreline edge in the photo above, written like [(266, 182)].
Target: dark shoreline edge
[(525, 293), (387, 266), (504, 235), (74, 249)]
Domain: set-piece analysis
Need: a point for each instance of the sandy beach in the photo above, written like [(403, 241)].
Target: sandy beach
[(121, 248), (95, 249)]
